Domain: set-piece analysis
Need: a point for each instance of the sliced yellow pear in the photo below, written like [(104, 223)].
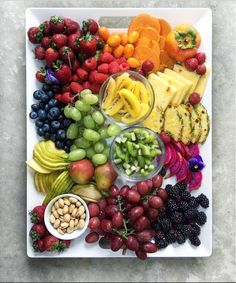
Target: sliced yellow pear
[(36, 167)]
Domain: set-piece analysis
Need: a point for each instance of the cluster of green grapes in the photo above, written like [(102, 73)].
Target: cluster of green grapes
[(89, 131)]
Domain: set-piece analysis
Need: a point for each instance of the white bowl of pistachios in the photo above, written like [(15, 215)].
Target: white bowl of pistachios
[(66, 216)]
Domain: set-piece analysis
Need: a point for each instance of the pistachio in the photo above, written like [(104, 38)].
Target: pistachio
[(83, 216), (67, 217), (72, 224), (52, 219), (56, 223), (59, 230), (73, 200), (60, 211), (81, 210), (64, 225), (71, 208), (74, 212), (56, 205), (78, 204), (65, 209), (67, 202), (55, 213), (61, 203), (81, 224)]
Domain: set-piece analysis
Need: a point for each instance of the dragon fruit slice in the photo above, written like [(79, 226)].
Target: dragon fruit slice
[(182, 173), (176, 167), (178, 146), (188, 177), (193, 149), (168, 154), (173, 158), (187, 153), (195, 181)]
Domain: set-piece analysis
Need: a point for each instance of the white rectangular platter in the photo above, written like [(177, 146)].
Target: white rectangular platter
[(202, 19)]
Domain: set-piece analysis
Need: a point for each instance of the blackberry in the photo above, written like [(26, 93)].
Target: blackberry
[(165, 224), (168, 187), (187, 230), (159, 235), (162, 244), (179, 226), (185, 195), (203, 201), (180, 238), (156, 226), (196, 230), (163, 171), (195, 241), (173, 193), (162, 211), (201, 218), (177, 217), (183, 206), (171, 236), (193, 202), (171, 205), (181, 186), (190, 214)]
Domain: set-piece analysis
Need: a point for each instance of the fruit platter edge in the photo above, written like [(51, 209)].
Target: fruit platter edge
[(201, 18)]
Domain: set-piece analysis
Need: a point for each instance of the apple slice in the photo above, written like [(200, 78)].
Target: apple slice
[(173, 158), (195, 181), (176, 167), (193, 149), (178, 146), (182, 173), (168, 154)]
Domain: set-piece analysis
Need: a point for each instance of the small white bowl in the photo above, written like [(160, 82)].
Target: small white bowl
[(53, 231)]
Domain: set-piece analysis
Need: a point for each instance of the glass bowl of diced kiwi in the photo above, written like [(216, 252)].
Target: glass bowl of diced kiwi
[(126, 98), (137, 153)]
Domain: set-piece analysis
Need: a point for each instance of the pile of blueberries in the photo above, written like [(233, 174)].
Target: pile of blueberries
[(50, 121)]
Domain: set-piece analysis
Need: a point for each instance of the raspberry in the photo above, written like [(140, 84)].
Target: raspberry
[(91, 63), (100, 78), (106, 57), (114, 68), (121, 60), (82, 74), (124, 67), (92, 76), (103, 68), (76, 87), (95, 87), (86, 85)]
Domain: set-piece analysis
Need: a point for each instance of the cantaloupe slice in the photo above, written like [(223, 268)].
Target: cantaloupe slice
[(162, 42), (142, 21), (149, 33), (144, 41), (165, 27)]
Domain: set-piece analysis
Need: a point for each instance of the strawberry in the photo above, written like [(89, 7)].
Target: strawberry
[(75, 78), (75, 65), (59, 40), (73, 42), (100, 78), (51, 243), (46, 28), (90, 26), (39, 52), (67, 98), (88, 44), (100, 42), (62, 72), (51, 56), (66, 88), (103, 68), (57, 24), (84, 67), (95, 87), (81, 57), (37, 231), (46, 41), (40, 76), (91, 76), (70, 26), (37, 214), (39, 246), (67, 55), (124, 67), (82, 74), (86, 85), (114, 68), (91, 63), (76, 87), (58, 97), (106, 57), (34, 34)]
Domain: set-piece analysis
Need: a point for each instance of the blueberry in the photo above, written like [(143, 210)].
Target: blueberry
[(47, 136), (37, 94), (46, 108), (42, 114), (35, 107), (59, 144), (46, 87), (54, 112), (69, 142), (40, 132), (50, 93), (61, 135), (33, 115), (55, 88), (60, 118), (66, 123), (39, 123), (66, 148), (53, 137), (53, 130), (46, 128), (55, 125), (52, 102), (41, 105), (45, 98)]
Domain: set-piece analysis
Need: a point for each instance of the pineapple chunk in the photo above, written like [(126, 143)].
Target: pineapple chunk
[(181, 88), (155, 120), (196, 124), (173, 123), (205, 122), (201, 86), (186, 120), (191, 76), (164, 92)]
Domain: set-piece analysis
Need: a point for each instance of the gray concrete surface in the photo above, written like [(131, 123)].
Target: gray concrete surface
[(14, 265)]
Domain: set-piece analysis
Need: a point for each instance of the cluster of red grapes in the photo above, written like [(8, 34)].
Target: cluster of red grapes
[(125, 216)]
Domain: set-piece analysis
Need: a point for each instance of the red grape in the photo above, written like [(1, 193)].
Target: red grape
[(134, 188), (141, 254), (152, 213), (135, 213), (111, 209), (116, 243), (149, 247), (150, 184), (194, 98), (141, 224), (201, 69), (145, 235), (157, 181), (162, 193), (143, 188), (191, 64), (93, 209), (106, 225), (111, 200), (147, 66), (201, 57), (124, 190), (94, 223), (114, 191), (132, 243), (133, 196), (102, 203), (145, 204), (117, 220), (92, 238), (155, 202), (129, 205), (101, 215)]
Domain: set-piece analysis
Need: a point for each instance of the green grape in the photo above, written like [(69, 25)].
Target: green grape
[(73, 147), (88, 122), (113, 130), (84, 92), (90, 99), (72, 131), (106, 151), (67, 111), (90, 152), (99, 147), (77, 154), (98, 117), (75, 114), (82, 106), (103, 132), (82, 143), (99, 159), (91, 135)]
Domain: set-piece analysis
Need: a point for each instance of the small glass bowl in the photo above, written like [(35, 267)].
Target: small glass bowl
[(137, 77), (158, 161)]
